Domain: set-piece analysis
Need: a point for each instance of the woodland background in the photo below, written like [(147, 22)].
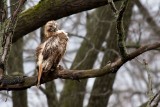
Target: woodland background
[(92, 44)]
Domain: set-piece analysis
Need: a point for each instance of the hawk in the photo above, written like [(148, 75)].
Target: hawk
[(50, 52)]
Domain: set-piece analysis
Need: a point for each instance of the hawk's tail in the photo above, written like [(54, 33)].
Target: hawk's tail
[(39, 75)]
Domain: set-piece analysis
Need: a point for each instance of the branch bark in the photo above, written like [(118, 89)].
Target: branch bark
[(9, 31), (80, 74), (2, 12), (120, 31), (47, 10), (19, 98)]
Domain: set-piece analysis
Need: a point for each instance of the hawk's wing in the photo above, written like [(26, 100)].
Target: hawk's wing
[(50, 47), (54, 50), (38, 50), (50, 52)]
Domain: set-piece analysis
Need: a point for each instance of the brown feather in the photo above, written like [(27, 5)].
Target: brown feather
[(50, 52)]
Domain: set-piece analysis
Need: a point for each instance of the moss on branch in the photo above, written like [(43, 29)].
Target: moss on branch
[(120, 31), (46, 10)]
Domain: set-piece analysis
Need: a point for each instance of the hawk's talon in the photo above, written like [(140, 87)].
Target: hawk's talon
[(59, 68)]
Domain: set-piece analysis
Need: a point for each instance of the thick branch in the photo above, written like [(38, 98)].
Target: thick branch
[(47, 10), (80, 74)]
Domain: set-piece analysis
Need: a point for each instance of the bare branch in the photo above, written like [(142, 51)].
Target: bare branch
[(120, 31), (150, 90), (155, 100), (79, 74), (113, 7)]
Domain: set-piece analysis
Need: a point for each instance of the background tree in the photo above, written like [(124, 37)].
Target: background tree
[(95, 49), (19, 98)]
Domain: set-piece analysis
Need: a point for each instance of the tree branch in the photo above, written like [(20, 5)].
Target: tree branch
[(113, 7), (79, 74), (120, 31), (2, 11), (155, 100), (8, 33), (46, 10)]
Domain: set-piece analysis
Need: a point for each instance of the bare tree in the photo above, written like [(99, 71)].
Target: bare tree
[(114, 37)]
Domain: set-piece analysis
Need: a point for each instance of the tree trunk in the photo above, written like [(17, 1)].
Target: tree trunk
[(2, 11), (102, 88), (73, 93), (2, 19), (51, 94), (15, 67)]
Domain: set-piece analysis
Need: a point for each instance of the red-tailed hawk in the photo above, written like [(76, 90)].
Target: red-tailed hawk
[(50, 52)]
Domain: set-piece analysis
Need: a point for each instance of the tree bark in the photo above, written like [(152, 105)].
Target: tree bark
[(2, 11), (38, 15), (76, 74), (102, 88), (51, 94), (2, 19), (15, 67)]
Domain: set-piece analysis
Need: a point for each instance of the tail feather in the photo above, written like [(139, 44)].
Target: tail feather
[(39, 75)]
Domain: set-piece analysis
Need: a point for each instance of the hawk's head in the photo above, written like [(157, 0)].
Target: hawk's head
[(50, 28)]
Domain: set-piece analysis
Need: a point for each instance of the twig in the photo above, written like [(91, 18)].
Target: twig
[(85, 57), (150, 92), (113, 7), (6, 94), (88, 52), (120, 31), (155, 100)]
